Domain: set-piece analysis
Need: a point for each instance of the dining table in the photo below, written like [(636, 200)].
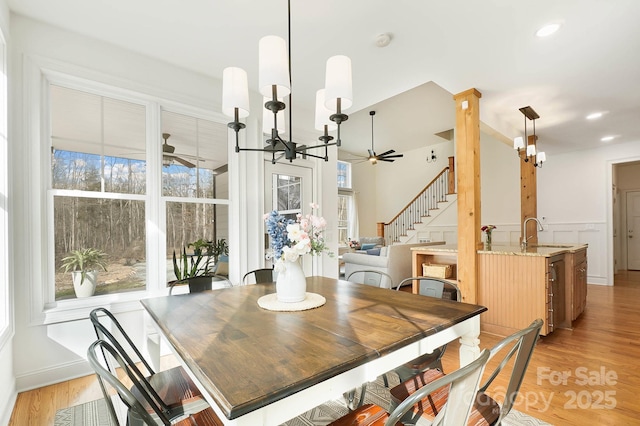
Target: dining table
[(257, 366)]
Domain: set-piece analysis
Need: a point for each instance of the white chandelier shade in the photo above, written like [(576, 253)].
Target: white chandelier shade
[(323, 113), (338, 83), (273, 67), (235, 92)]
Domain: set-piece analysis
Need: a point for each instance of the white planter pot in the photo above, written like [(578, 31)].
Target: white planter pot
[(291, 284), (88, 286)]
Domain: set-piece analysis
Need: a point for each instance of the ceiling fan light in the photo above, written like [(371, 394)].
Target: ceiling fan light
[(235, 92), (273, 67), (323, 113), (167, 161), (518, 142), (338, 83)]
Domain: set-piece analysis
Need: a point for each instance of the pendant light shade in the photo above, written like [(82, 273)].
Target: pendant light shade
[(235, 92), (338, 83), (518, 142), (273, 67), (323, 113), (531, 150)]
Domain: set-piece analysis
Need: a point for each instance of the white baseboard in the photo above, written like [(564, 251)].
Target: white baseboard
[(7, 410), (52, 375)]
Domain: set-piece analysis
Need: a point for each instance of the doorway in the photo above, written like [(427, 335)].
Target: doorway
[(289, 190), (632, 233)]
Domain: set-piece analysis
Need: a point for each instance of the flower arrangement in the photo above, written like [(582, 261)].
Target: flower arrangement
[(353, 244), (291, 239), (488, 228)]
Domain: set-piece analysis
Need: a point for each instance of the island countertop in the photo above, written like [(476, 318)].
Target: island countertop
[(543, 249)]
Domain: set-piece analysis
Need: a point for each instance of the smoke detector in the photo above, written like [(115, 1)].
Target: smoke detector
[(383, 40)]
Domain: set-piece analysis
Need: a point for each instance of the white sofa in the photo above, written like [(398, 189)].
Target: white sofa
[(395, 260)]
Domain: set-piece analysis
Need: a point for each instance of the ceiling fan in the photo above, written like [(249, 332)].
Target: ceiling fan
[(385, 156), (168, 155)]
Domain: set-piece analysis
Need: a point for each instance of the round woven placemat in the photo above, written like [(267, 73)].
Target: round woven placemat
[(270, 302)]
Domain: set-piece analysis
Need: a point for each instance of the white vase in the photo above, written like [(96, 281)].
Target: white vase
[(88, 286), (291, 284)]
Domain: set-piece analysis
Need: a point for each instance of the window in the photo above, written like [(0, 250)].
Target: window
[(344, 174), (287, 195), (98, 186), (194, 177), (346, 205), (116, 187)]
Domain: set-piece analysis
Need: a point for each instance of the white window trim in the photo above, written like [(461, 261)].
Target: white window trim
[(37, 270), (6, 295)]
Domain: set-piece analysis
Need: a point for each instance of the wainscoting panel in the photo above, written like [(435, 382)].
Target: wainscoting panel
[(594, 234)]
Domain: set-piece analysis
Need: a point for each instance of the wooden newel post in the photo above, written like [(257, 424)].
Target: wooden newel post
[(452, 176), (381, 229)]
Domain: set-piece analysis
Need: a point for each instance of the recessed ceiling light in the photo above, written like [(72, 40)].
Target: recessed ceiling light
[(548, 29), (607, 138), (594, 115)]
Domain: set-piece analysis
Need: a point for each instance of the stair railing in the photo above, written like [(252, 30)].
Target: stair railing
[(435, 192)]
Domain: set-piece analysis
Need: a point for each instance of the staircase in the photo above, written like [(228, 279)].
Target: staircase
[(403, 228)]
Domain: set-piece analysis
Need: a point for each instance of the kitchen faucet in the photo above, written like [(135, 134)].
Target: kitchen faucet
[(524, 231)]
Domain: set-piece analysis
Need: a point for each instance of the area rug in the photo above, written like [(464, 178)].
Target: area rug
[(95, 413)]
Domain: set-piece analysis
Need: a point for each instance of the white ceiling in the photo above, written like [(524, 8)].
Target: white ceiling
[(590, 64)]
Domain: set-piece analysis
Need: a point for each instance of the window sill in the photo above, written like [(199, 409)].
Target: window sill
[(79, 309)]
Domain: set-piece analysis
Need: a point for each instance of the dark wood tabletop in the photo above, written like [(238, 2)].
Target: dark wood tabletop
[(247, 357)]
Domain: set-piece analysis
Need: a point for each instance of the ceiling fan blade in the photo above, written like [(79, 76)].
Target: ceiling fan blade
[(184, 162), (384, 154), (386, 159), (392, 156)]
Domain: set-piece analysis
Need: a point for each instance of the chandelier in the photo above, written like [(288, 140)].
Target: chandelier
[(535, 158), (274, 80)]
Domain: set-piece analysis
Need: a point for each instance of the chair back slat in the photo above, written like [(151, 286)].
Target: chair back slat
[(522, 344), (108, 377), (369, 277), (261, 276), (463, 388)]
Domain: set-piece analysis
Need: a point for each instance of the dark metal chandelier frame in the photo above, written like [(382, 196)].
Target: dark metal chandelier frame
[(277, 144)]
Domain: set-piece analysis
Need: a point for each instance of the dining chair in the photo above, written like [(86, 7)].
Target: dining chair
[(370, 277), (486, 410), (260, 276), (137, 404), (173, 388), (431, 287), (461, 385)]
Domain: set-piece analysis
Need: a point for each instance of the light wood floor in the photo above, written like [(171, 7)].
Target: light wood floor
[(604, 343)]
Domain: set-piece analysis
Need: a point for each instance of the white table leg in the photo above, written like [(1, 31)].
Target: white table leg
[(470, 343)]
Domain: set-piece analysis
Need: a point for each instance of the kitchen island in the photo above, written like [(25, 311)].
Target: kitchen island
[(545, 281)]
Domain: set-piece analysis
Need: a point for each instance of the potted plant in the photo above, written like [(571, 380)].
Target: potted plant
[(188, 269), (217, 249), (84, 264)]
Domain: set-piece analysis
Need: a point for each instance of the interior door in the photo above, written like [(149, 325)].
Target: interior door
[(633, 230), (289, 190)]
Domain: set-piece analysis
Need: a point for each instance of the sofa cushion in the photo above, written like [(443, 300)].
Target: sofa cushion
[(374, 252), (366, 247)]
